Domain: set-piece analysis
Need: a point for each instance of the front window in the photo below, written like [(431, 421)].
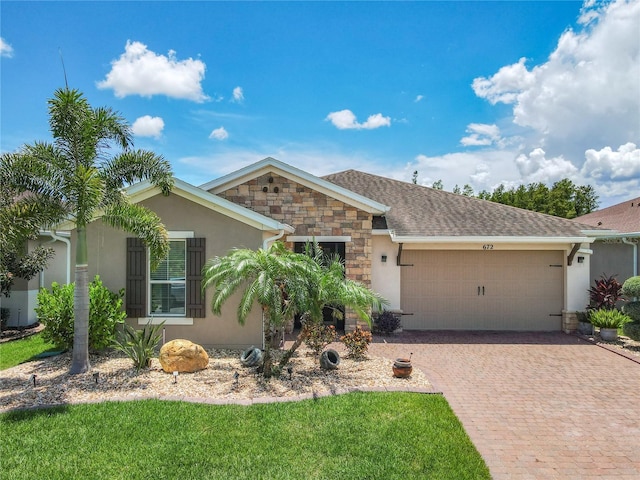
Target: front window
[(168, 282)]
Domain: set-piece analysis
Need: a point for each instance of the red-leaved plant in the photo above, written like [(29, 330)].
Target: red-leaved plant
[(606, 292)]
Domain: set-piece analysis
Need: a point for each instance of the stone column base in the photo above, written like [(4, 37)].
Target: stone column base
[(569, 321)]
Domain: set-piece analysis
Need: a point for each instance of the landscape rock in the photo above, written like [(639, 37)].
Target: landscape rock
[(183, 356)]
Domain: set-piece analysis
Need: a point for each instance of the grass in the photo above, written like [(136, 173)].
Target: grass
[(354, 436), (16, 352)]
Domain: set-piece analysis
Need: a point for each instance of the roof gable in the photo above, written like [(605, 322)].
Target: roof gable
[(142, 191), (269, 164), (418, 212)]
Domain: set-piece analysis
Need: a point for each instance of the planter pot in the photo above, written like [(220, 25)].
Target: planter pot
[(402, 368), (609, 334), (585, 328), (251, 357), (329, 360)]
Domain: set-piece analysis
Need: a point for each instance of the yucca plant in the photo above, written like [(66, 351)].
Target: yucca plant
[(605, 318), (139, 345)]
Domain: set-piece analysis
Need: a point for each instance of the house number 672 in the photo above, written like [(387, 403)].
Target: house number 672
[(487, 246)]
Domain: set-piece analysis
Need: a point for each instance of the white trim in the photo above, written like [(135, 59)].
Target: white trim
[(178, 235), (489, 239), (270, 164), (318, 238), (166, 320)]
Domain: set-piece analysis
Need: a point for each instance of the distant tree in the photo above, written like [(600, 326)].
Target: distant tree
[(22, 216), (414, 177), (437, 185), (563, 199), (457, 190), (467, 190)]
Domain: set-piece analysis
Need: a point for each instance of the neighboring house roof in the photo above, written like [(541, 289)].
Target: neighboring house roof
[(144, 190), (623, 217), (267, 165), (423, 213)]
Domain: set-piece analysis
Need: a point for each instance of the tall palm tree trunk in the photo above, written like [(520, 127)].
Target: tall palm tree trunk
[(80, 358)]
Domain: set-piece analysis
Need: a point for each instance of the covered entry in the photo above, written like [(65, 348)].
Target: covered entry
[(482, 290)]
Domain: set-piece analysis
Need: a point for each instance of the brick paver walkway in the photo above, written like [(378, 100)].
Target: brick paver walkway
[(536, 405)]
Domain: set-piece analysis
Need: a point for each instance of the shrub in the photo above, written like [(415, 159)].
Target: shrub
[(55, 311), (631, 287), (139, 345), (605, 293), (632, 330), (608, 318), (318, 336), (633, 310), (387, 322), (357, 342)]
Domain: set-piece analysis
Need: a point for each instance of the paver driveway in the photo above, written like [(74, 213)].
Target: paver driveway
[(536, 405)]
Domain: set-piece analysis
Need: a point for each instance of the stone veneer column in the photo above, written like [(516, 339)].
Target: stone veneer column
[(312, 213), (569, 321)]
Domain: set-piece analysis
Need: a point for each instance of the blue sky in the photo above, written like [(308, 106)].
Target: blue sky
[(477, 93)]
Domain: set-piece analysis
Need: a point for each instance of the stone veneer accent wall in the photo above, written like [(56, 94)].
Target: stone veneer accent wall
[(311, 214)]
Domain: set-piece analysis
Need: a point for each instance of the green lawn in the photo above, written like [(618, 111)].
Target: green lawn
[(354, 436), (19, 351)]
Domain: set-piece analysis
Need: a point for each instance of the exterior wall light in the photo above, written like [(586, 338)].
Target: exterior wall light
[(384, 259)]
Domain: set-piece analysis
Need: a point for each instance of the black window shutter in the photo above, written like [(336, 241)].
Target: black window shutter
[(196, 253), (136, 290)]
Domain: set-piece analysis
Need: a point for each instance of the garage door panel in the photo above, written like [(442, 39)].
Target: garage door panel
[(495, 290)]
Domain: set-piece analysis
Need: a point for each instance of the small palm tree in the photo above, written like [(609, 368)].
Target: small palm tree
[(270, 278), (76, 173), (326, 286)]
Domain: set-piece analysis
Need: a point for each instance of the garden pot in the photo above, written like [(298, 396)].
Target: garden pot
[(251, 357), (402, 368), (609, 334), (585, 328), (329, 360)]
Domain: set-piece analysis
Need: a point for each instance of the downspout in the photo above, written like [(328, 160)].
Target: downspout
[(267, 241), (635, 254), (67, 242)]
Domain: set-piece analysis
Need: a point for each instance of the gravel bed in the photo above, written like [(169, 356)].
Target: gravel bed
[(624, 344), (118, 380)]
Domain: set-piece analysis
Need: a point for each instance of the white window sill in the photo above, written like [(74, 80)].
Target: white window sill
[(166, 320)]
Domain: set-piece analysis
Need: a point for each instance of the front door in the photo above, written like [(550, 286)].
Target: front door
[(328, 248)]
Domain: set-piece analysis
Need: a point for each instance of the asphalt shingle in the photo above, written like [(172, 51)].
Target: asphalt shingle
[(425, 212), (623, 217)]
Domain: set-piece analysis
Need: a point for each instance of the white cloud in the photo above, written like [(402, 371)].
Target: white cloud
[(148, 126), (481, 134), (346, 120), (536, 167), (586, 92), (606, 164), (419, 98), (139, 71), (6, 50), (238, 95), (219, 134)]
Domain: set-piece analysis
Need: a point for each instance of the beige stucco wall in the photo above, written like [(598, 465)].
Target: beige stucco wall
[(107, 258)]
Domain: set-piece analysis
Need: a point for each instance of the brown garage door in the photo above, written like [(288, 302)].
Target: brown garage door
[(482, 290)]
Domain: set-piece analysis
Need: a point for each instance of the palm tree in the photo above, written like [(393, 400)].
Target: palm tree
[(77, 173), (327, 287), (271, 278), (284, 283)]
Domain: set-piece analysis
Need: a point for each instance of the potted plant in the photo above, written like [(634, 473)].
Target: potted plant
[(584, 325), (609, 321)]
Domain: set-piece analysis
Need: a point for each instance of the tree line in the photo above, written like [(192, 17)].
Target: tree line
[(563, 199)]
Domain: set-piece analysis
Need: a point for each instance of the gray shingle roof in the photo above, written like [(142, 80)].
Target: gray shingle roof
[(418, 211), (623, 217)]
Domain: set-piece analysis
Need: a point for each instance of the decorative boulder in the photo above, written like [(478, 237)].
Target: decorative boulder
[(183, 356)]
